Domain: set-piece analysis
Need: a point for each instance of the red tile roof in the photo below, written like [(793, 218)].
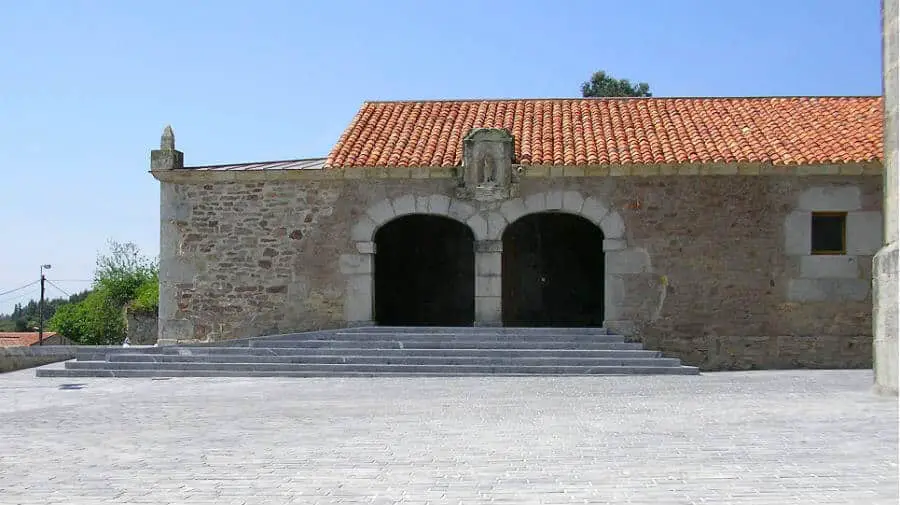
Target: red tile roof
[(21, 338), (600, 131)]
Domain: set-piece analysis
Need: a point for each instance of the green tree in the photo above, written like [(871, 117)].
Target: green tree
[(25, 317), (121, 273), (122, 278), (602, 84)]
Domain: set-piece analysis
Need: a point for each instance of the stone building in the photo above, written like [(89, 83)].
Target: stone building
[(729, 232)]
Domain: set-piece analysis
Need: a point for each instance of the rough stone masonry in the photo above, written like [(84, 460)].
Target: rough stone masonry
[(709, 262)]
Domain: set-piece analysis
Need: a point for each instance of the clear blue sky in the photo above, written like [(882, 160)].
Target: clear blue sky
[(88, 85)]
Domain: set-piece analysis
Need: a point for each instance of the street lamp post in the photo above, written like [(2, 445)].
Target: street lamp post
[(41, 308)]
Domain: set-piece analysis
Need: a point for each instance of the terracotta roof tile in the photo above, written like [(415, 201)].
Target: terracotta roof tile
[(576, 131), (21, 338)]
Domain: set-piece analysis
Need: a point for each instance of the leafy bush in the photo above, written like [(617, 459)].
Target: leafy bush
[(146, 300), (124, 278)]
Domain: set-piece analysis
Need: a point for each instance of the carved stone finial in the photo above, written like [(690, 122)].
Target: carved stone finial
[(168, 139), (166, 157)]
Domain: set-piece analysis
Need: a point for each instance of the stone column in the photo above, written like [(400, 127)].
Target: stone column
[(885, 268), (173, 270), (488, 286)]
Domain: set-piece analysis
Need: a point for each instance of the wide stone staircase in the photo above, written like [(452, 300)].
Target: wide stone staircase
[(383, 351)]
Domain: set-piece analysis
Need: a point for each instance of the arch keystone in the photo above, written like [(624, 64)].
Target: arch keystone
[(554, 200), (404, 205), (423, 205)]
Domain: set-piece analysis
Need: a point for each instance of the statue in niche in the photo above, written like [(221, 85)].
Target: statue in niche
[(487, 171), (487, 163)]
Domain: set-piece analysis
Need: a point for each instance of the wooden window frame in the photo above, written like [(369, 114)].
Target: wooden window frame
[(843, 216)]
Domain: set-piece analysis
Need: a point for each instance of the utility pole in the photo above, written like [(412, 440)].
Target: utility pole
[(41, 308)]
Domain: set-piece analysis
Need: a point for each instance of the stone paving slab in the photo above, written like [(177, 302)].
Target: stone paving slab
[(808, 437)]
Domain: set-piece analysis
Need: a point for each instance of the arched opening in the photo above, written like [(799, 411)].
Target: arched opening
[(424, 272), (553, 271)]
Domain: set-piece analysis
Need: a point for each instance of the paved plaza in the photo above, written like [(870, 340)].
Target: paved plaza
[(812, 437)]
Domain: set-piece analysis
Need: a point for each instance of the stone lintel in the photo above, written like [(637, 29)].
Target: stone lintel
[(830, 198)]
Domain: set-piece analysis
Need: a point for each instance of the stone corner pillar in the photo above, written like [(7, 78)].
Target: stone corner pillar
[(885, 264), (358, 270), (884, 319), (488, 283)]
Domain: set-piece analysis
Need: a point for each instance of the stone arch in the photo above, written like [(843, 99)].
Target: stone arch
[(363, 231), (620, 260), (358, 268), (591, 208)]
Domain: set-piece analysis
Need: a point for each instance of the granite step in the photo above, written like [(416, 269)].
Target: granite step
[(257, 342), (499, 330), (257, 355), (267, 362), (446, 344), (376, 371), (384, 351), (443, 337), (608, 350)]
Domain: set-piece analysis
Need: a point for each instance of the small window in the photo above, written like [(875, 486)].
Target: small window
[(829, 233)]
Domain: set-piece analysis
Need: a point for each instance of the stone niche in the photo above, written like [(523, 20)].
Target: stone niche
[(487, 171)]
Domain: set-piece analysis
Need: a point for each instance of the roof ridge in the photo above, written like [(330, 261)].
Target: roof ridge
[(626, 98)]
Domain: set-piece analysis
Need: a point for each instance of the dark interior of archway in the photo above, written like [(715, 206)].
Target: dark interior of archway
[(424, 272), (553, 271)]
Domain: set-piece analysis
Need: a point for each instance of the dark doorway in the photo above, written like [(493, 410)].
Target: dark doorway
[(553, 271), (424, 272)]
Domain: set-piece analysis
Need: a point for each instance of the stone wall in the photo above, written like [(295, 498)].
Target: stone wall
[(141, 328), (19, 358), (248, 259), (701, 264), (719, 244)]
